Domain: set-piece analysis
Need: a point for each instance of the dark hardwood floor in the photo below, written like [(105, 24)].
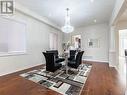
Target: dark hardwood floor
[(102, 80)]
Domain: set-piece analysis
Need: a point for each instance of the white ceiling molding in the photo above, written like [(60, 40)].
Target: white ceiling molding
[(32, 14), (120, 7)]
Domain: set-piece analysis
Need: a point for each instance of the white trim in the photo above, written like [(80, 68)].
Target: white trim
[(112, 51), (113, 66), (95, 60), (30, 13), (12, 53)]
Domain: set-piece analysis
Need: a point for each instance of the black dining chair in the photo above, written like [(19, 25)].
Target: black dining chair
[(57, 58), (126, 52), (72, 55), (76, 62), (51, 64)]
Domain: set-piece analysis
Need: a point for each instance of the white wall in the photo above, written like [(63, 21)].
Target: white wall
[(3, 39), (3, 42), (37, 41), (98, 31)]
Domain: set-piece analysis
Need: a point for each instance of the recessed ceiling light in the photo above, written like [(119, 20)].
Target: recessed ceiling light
[(92, 1), (95, 20)]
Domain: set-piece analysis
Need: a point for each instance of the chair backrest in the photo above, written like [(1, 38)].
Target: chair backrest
[(126, 57), (53, 51), (50, 60), (126, 52), (72, 53), (79, 57)]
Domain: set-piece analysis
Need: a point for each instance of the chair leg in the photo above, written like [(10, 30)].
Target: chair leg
[(78, 69)]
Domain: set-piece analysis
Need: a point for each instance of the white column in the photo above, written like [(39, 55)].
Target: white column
[(112, 39), (112, 48)]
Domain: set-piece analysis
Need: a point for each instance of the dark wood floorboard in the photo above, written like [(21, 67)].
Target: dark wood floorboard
[(102, 80)]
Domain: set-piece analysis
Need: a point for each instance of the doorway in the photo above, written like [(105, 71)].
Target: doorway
[(76, 42), (122, 48)]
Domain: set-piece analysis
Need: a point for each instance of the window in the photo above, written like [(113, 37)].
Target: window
[(53, 41), (12, 37)]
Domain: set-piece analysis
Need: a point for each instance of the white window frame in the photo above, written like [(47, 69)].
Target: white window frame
[(14, 53)]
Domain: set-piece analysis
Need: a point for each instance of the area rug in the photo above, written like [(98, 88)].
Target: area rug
[(70, 83)]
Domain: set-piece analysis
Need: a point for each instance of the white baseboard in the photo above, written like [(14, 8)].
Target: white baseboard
[(96, 60), (114, 67)]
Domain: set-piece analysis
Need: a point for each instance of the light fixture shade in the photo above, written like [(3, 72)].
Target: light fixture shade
[(67, 28)]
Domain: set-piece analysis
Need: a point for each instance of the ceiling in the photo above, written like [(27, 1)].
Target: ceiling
[(83, 12), (123, 16)]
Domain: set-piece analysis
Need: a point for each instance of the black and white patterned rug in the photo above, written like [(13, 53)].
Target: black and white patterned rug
[(66, 84)]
